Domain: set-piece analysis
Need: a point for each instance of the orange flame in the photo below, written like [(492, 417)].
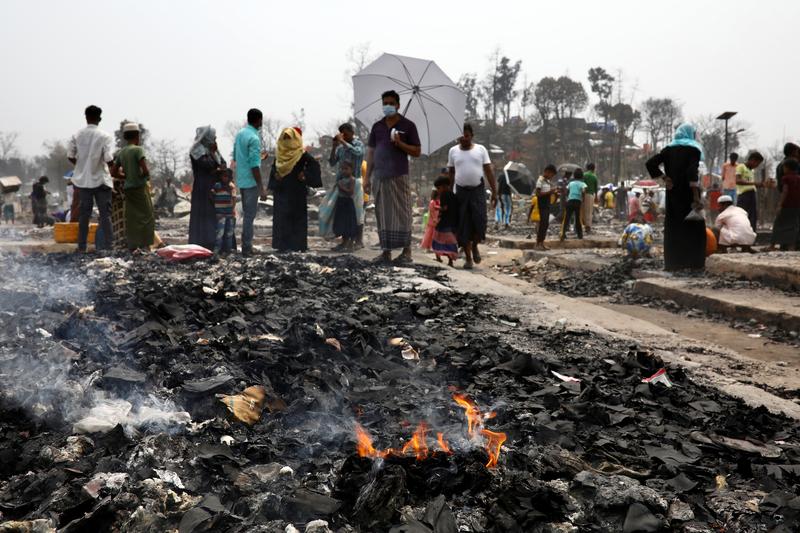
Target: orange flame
[(418, 443), (443, 444), (364, 445), (493, 443), (474, 421)]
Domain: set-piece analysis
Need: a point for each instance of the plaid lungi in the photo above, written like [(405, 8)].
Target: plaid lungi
[(471, 214), (393, 211)]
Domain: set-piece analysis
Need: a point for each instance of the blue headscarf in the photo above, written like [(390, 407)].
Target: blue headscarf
[(685, 136)]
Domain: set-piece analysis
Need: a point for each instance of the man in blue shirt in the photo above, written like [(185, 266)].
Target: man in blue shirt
[(247, 154), (575, 191)]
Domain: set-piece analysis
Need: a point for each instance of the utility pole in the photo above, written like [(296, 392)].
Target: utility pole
[(726, 116)]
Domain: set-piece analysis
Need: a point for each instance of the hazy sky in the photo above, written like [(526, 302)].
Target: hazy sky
[(178, 64)]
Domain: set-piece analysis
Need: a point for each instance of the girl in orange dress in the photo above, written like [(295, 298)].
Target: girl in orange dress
[(433, 219)]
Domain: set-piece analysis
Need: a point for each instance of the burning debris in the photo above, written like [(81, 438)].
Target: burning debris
[(233, 411), (417, 445)]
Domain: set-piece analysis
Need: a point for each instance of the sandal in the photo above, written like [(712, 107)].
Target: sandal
[(402, 259), (383, 259)]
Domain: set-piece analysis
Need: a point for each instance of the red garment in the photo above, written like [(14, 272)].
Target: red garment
[(633, 208), (792, 181), (433, 219), (713, 200)]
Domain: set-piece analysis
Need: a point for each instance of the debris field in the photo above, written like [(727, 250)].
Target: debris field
[(317, 393)]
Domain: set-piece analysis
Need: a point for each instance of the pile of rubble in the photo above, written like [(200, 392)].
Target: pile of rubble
[(228, 396)]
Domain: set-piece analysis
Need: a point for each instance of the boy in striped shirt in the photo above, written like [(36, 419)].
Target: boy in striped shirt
[(224, 200)]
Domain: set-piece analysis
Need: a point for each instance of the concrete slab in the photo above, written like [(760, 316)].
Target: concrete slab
[(779, 269), (765, 306)]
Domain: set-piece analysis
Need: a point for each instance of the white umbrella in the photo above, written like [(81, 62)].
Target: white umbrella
[(427, 97)]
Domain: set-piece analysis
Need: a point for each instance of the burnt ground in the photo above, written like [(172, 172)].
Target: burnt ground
[(145, 347)]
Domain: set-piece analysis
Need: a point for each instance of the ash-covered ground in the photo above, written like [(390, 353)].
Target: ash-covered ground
[(111, 420)]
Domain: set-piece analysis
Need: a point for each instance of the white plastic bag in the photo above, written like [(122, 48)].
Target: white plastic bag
[(103, 417)]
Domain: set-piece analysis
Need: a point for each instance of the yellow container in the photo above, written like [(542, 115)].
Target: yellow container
[(67, 232)]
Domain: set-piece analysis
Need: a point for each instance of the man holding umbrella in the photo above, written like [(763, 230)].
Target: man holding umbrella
[(391, 141)]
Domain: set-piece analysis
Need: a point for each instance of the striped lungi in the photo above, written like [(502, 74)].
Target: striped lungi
[(393, 211)]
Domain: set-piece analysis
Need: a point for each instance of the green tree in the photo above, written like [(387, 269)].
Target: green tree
[(544, 100), (627, 120), (601, 83), (468, 83), (661, 116), (505, 92), (498, 90), (570, 99)]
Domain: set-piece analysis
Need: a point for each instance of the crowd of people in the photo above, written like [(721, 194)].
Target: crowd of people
[(105, 178), (117, 183), (733, 207)]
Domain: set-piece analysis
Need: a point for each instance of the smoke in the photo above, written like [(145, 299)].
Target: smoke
[(49, 378), (134, 413)]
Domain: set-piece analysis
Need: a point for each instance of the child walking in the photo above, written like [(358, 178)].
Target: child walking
[(433, 219), (345, 224), (224, 203), (444, 237)]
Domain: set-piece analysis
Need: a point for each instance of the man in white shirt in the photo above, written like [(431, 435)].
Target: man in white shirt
[(91, 151), (469, 163), (733, 227)]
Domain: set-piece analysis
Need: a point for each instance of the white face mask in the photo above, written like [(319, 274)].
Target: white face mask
[(389, 110)]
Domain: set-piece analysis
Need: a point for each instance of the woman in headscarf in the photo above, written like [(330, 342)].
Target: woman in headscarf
[(684, 240), (207, 164), (292, 173)]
